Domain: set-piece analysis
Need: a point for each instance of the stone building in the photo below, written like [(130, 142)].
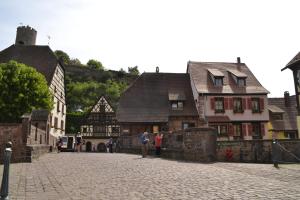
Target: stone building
[(157, 102), (283, 117), (229, 98), (99, 126), (44, 61)]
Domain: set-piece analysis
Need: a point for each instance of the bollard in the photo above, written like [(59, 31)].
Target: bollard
[(275, 153), (5, 177)]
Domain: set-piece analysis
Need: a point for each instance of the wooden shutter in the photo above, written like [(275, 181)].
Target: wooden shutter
[(212, 103), (262, 129), (261, 104), (249, 104), (230, 103), (244, 103), (226, 103), (244, 129), (249, 129), (230, 130)]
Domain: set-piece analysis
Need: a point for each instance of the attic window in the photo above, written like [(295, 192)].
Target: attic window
[(241, 81), (177, 105), (216, 76)]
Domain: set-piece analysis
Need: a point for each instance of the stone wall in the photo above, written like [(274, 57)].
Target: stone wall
[(194, 144), (258, 151)]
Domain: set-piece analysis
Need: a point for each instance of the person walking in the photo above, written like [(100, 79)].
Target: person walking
[(59, 144), (144, 140), (78, 143), (157, 143)]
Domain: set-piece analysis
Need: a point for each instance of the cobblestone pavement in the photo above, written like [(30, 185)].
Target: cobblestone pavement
[(125, 176)]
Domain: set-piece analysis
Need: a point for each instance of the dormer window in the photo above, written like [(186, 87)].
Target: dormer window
[(216, 76), (177, 105), (239, 77), (218, 81)]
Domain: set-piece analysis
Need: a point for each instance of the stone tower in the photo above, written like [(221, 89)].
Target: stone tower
[(25, 35)]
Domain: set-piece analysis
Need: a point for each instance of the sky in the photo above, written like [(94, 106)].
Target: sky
[(166, 33)]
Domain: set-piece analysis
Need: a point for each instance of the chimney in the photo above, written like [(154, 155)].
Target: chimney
[(287, 99), (238, 60), (157, 69)]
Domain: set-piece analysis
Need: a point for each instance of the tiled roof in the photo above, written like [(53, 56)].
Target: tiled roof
[(289, 121), (296, 59), (40, 57), (203, 83), (275, 109), (147, 99)]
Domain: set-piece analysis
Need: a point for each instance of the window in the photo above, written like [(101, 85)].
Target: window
[(241, 82), (256, 133), (177, 105), (222, 130), (237, 105), (54, 89), (102, 108), (84, 129), (237, 132), (255, 105), (290, 135), (55, 122), (277, 116), (36, 131), (58, 109), (219, 105), (218, 81), (155, 129), (186, 125), (63, 108), (62, 124)]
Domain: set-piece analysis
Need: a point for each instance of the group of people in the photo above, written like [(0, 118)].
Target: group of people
[(144, 138)]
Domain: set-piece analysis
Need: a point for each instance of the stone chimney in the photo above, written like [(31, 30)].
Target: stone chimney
[(287, 99)]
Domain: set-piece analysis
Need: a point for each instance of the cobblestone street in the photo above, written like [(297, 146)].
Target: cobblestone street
[(125, 176)]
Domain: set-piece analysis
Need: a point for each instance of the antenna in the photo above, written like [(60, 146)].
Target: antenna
[(48, 36)]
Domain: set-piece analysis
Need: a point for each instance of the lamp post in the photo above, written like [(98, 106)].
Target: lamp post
[(5, 177)]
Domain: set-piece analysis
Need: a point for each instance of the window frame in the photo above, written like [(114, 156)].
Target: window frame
[(257, 101), (219, 99), (235, 109)]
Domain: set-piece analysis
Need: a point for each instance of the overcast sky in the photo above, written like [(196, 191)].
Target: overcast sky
[(166, 33)]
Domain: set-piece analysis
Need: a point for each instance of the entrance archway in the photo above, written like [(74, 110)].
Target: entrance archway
[(101, 147), (88, 146)]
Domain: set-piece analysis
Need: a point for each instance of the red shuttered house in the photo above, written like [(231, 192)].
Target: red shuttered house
[(230, 98)]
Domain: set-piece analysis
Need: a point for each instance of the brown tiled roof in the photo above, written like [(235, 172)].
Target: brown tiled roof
[(275, 109), (39, 115), (289, 121), (295, 60), (147, 99), (203, 82), (40, 57)]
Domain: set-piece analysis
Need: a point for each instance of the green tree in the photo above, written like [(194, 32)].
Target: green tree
[(133, 70), (61, 55), (22, 90), (95, 64), (75, 61)]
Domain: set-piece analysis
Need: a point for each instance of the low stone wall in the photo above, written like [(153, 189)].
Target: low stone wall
[(258, 151), (195, 144), (17, 134)]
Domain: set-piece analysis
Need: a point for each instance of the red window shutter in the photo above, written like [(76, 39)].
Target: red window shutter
[(249, 104), (262, 126), (212, 103), (249, 129), (262, 104), (244, 103), (230, 130), (230, 103), (244, 129), (226, 103)]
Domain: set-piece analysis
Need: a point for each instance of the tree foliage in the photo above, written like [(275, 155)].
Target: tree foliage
[(74, 61), (95, 64), (133, 70), (22, 90), (61, 55)]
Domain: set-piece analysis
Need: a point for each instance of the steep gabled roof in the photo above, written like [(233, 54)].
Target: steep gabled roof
[(40, 57), (147, 100), (289, 121), (295, 60), (199, 72)]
